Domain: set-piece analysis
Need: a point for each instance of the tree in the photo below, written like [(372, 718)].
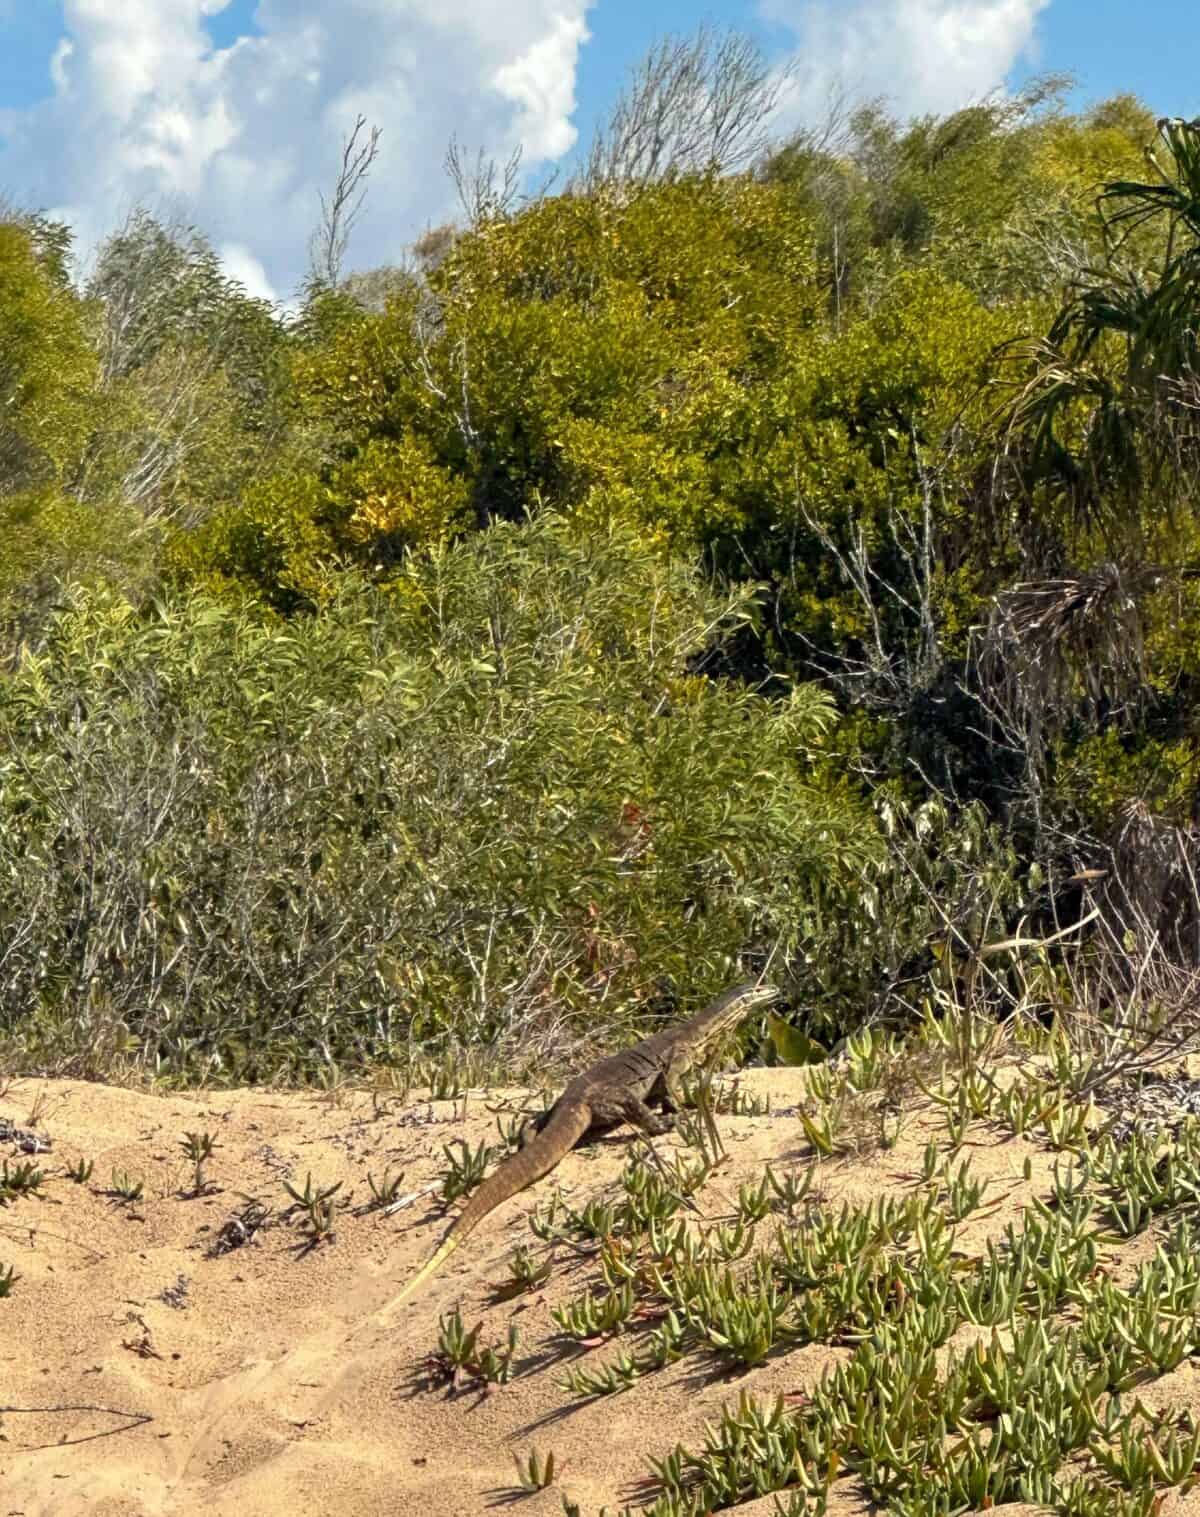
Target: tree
[(972, 190), (48, 369), (1091, 659), (192, 370), (592, 354), (51, 402)]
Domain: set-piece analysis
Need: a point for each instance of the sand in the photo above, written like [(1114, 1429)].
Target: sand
[(140, 1374)]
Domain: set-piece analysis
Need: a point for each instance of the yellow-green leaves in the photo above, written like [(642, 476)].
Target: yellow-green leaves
[(595, 354), (394, 496), (48, 368)]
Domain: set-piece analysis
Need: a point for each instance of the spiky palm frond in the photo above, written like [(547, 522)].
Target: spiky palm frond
[(1106, 408)]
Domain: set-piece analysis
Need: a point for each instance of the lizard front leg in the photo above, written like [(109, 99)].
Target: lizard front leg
[(672, 1092), (635, 1111)]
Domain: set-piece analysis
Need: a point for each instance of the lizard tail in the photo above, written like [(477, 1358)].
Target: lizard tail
[(382, 1316), (539, 1156), (439, 1256)]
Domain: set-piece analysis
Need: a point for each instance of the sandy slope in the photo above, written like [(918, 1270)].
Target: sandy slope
[(253, 1400)]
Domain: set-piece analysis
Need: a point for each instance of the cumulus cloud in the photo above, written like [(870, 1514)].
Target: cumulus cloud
[(240, 264), (921, 55), (240, 139)]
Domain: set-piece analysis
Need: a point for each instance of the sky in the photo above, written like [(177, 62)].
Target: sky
[(230, 114)]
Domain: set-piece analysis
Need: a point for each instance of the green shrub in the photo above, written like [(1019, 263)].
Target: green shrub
[(491, 798)]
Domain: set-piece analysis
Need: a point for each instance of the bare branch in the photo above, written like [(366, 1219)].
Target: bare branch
[(891, 670), (693, 106), (327, 248), (486, 191)]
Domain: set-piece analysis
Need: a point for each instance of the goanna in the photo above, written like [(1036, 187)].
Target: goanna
[(619, 1088)]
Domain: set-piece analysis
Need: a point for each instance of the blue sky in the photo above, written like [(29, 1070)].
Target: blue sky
[(1151, 48), (232, 114)]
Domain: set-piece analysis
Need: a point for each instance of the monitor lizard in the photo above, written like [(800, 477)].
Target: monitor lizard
[(617, 1089)]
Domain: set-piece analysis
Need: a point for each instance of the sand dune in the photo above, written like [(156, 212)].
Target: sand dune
[(154, 1378)]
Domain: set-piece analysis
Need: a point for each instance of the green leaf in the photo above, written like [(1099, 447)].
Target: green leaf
[(793, 1046)]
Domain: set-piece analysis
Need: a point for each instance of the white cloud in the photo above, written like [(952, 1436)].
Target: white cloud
[(58, 63), (240, 139), (240, 264), (921, 55), (541, 82)]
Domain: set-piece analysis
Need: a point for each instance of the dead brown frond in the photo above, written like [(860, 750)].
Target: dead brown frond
[(1057, 648), (1131, 995), (1153, 887), (1116, 978)]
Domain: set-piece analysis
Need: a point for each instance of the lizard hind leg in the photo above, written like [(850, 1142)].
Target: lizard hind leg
[(534, 1125)]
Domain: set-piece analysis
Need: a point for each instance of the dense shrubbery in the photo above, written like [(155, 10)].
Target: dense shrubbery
[(683, 570), (484, 803)]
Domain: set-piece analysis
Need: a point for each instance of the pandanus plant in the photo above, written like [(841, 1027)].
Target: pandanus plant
[(1109, 408), (1103, 440)]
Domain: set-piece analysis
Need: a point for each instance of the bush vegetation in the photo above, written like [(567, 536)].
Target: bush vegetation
[(761, 552)]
